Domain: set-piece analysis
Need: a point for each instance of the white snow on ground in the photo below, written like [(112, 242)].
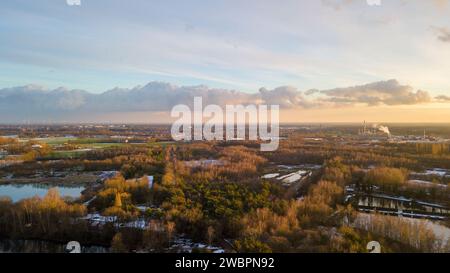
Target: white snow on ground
[(435, 171), (286, 167), (185, 245), (428, 183), (96, 217), (140, 224), (293, 177), (303, 166), (270, 175), (290, 178), (143, 208)]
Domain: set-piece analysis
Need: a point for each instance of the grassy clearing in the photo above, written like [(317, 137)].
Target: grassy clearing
[(64, 155)]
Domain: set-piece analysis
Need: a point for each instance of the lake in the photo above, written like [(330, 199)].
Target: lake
[(18, 192)]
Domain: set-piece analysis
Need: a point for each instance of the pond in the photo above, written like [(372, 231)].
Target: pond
[(18, 192)]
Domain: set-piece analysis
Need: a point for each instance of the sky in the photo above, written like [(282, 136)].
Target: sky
[(234, 45)]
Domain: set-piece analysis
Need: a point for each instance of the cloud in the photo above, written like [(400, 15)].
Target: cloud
[(378, 93), (284, 96), (33, 102), (442, 34), (336, 4), (32, 98), (441, 3), (442, 98)]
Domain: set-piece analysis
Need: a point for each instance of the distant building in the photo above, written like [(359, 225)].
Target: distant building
[(36, 146)]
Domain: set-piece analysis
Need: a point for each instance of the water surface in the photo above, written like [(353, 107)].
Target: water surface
[(18, 192)]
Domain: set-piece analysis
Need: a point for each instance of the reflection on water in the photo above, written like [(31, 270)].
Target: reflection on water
[(38, 246), (18, 192)]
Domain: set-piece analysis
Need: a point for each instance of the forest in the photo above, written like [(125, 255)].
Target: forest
[(216, 193)]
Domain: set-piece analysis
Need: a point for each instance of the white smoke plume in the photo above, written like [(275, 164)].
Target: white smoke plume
[(382, 128)]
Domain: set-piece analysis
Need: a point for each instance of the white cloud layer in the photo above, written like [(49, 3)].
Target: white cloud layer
[(32, 101)]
